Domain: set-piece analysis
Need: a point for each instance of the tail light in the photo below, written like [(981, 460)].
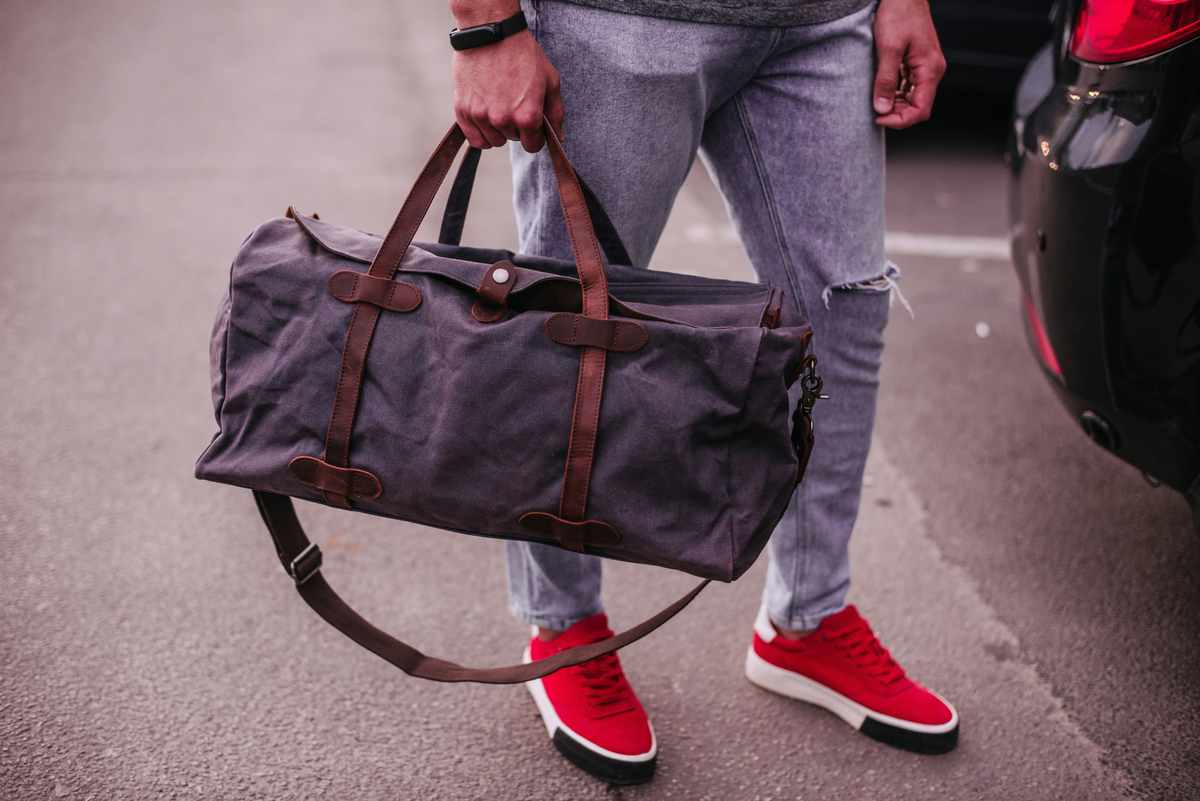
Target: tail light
[(1040, 340), (1109, 31)]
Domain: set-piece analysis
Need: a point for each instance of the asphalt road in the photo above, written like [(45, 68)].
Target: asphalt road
[(150, 646)]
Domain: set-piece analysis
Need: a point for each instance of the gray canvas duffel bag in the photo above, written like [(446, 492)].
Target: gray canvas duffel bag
[(635, 415)]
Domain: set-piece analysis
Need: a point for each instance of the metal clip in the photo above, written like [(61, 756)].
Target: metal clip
[(811, 383), (802, 424), (306, 565)]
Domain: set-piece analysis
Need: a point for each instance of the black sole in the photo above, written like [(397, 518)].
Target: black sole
[(917, 742), (610, 770)]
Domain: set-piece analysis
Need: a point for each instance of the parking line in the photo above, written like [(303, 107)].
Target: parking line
[(993, 248)]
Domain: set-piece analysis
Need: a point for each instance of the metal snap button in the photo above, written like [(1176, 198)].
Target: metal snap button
[(500, 275)]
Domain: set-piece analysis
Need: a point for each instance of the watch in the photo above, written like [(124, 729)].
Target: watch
[(491, 33)]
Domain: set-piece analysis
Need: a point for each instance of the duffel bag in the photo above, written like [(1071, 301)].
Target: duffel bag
[(609, 410)]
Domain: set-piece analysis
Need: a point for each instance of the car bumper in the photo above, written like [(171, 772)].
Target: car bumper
[(1104, 203)]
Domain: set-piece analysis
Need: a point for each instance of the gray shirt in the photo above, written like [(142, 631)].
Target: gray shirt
[(754, 13)]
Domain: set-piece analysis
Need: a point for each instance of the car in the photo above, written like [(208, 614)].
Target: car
[(990, 43), (1104, 216)]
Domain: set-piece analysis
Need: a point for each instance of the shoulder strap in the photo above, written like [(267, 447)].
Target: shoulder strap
[(460, 197), (302, 560)]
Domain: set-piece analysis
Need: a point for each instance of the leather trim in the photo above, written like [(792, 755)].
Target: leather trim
[(486, 312), (492, 290), (493, 295), (795, 374), (585, 423), (574, 536), (349, 286), (344, 481), (585, 420), (575, 329), (362, 322), (292, 214)]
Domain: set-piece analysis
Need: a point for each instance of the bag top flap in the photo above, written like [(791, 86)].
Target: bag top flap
[(362, 247), (648, 294)]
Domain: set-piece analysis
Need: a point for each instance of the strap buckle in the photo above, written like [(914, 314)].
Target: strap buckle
[(306, 565)]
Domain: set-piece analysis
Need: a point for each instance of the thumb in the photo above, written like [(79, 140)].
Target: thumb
[(887, 79)]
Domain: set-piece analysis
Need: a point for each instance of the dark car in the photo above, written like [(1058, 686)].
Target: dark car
[(1104, 212)]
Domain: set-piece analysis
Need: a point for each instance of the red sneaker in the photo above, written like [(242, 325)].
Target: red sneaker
[(590, 710), (843, 668)]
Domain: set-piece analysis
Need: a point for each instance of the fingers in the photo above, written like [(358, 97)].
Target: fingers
[(529, 129), (910, 63), (475, 136), (913, 103), (887, 77), (503, 93)]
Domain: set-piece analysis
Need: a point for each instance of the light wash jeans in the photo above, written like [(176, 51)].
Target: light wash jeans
[(782, 119)]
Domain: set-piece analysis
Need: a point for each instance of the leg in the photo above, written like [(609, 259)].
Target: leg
[(634, 116), (552, 588), (810, 210), (799, 160)]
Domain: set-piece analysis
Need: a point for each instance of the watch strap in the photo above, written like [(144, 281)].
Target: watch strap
[(493, 32)]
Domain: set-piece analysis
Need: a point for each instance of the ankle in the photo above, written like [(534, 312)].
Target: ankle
[(546, 635), (791, 634)]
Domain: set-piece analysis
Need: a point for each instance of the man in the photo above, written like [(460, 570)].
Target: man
[(785, 100)]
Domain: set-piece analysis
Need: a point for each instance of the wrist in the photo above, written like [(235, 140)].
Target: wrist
[(469, 13)]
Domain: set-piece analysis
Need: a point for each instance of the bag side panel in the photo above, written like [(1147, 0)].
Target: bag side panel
[(761, 453), (283, 353)]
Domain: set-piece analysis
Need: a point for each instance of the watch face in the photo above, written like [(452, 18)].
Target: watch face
[(474, 37)]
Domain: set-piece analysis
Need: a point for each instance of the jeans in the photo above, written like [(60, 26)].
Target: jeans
[(782, 119)]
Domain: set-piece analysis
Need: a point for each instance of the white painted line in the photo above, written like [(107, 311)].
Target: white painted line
[(993, 248)]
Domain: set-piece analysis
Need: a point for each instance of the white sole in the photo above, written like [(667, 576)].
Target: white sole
[(784, 682)]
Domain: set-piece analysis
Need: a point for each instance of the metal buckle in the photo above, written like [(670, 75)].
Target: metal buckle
[(306, 565)]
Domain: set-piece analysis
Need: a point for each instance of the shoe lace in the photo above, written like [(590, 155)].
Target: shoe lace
[(605, 689), (861, 645)]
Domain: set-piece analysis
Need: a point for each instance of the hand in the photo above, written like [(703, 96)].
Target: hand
[(502, 90), (910, 63)]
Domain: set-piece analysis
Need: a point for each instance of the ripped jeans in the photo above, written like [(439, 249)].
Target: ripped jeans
[(782, 119)]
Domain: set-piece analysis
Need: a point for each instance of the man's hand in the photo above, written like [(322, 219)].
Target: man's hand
[(910, 62), (502, 90)]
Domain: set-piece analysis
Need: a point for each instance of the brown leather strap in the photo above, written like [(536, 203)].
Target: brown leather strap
[(344, 481), (302, 560), (624, 336), (592, 278), (585, 422), (493, 293), (491, 288), (460, 197), (574, 536), (362, 322), (349, 286)]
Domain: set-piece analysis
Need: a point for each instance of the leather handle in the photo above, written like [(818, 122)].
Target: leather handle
[(594, 291), (592, 279), (395, 244), (579, 224), (459, 200), (302, 561)]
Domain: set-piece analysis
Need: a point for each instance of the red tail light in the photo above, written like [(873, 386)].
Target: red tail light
[(1040, 340), (1109, 31)]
